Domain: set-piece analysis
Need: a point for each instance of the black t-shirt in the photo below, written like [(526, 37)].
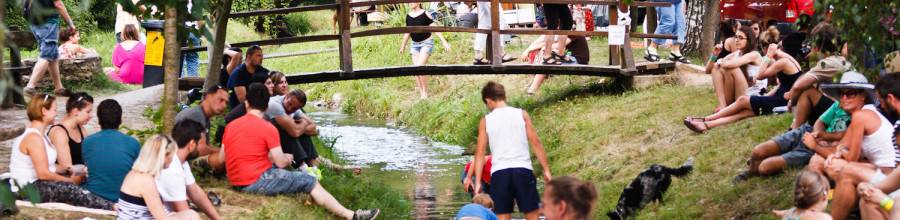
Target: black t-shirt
[(240, 77), (818, 110), (580, 50)]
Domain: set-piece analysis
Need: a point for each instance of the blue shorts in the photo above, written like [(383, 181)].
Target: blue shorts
[(514, 185), (276, 181), (790, 145), (425, 46), (47, 36)]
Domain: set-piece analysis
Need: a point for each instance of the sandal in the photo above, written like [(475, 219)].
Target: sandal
[(680, 59), (481, 61), (507, 58), (690, 125), (553, 59), (651, 57)]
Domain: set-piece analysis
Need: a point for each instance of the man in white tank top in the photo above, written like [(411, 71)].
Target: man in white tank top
[(866, 152), (509, 133)]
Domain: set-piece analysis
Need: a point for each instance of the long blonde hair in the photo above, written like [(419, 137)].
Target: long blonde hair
[(153, 155)]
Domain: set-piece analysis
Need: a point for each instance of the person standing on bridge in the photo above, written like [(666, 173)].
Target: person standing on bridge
[(422, 44), (509, 133)]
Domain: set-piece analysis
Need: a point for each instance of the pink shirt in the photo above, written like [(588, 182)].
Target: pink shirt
[(130, 63)]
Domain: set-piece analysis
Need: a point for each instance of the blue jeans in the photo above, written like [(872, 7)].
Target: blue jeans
[(276, 181), (191, 65), (671, 21), (47, 37)]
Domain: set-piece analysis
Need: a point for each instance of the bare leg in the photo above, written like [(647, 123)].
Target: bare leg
[(719, 86), (421, 81), (729, 119), (504, 216), (327, 201), (871, 211), (37, 73), (761, 153), (845, 197), (742, 104), (817, 164), (728, 86), (740, 82), (805, 104), (548, 43), (772, 165), (536, 83), (54, 74)]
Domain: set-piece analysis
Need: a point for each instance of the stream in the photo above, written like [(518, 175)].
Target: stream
[(427, 171)]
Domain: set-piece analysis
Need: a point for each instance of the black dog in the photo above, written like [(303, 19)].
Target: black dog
[(647, 187)]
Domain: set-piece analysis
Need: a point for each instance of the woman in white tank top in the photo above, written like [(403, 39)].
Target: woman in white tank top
[(33, 161)]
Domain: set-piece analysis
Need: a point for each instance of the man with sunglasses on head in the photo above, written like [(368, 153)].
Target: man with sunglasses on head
[(866, 153), (250, 71), (213, 104)]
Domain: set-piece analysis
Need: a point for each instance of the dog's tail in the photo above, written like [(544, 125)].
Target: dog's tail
[(684, 169)]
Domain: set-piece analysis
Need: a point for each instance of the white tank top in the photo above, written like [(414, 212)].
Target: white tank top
[(507, 139), (878, 147), (20, 165)]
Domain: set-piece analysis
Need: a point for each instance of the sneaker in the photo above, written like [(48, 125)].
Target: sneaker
[(741, 177), (315, 172), (366, 214)]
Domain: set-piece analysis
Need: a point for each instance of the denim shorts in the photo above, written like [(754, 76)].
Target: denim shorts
[(791, 146), (276, 181), (425, 46), (47, 36)]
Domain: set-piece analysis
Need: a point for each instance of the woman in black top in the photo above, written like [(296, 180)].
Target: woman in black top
[(422, 44), (68, 135)]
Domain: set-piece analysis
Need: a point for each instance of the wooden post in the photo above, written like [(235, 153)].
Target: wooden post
[(218, 45), (344, 47), (613, 20), (626, 56), (496, 49)]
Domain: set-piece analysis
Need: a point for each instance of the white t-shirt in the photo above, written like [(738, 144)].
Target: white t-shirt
[(124, 18), (172, 182)]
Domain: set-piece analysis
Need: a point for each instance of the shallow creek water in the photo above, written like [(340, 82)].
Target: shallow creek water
[(427, 171)]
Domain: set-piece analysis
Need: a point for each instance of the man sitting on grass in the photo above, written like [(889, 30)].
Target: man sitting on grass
[(252, 146), (295, 129)]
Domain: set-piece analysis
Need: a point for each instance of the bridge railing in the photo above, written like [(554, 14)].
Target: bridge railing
[(619, 55)]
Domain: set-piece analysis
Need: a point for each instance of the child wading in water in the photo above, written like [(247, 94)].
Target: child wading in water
[(810, 198), (509, 132), (422, 44)]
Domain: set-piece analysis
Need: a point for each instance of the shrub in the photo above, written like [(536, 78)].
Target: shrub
[(79, 10), (298, 24)]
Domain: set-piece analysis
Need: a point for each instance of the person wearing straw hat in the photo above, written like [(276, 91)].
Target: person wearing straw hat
[(866, 153)]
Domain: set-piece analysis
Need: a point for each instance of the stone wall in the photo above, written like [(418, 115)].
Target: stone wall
[(80, 69)]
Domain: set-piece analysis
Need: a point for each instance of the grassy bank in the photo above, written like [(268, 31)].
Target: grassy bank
[(597, 132)]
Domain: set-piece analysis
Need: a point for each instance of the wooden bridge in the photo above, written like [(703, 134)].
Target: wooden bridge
[(621, 60)]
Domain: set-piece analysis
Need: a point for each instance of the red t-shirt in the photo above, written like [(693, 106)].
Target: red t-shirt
[(247, 142), (485, 171)]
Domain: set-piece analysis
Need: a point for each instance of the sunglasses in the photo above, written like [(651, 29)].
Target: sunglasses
[(850, 93)]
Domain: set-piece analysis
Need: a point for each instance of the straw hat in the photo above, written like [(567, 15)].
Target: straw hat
[(850, 80)]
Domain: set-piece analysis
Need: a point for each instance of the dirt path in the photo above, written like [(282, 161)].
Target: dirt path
[(133, 103)]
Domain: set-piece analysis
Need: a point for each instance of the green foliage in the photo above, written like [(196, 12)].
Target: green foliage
[(265, 24), (14, 16), (155, 115), (104, 13), (397, 16), (299, 23), (869, 21), (79, 10), (198, 12)]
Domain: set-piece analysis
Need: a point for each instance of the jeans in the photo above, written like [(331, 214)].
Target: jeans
[(191, 65), (671, 21), (277, 181), (47, 36)]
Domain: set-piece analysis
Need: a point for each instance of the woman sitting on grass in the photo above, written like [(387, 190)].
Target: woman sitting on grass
[(128, 58), (733, 74), (138, 197), (810, 198), (422, 44), (33, 161), (786, 69), (68, 135)]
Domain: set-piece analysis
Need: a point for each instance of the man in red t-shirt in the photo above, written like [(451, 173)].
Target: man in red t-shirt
[(470, 175), (251, 146)]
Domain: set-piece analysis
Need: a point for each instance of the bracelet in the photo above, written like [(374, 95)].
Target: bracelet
[(887, 203), (712, 58)]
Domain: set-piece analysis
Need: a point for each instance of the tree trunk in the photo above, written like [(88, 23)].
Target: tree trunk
[(172, 63), (218, 45), (5, 80), (701, 17)]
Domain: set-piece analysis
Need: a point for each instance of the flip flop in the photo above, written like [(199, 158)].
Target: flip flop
[(688, 123)]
